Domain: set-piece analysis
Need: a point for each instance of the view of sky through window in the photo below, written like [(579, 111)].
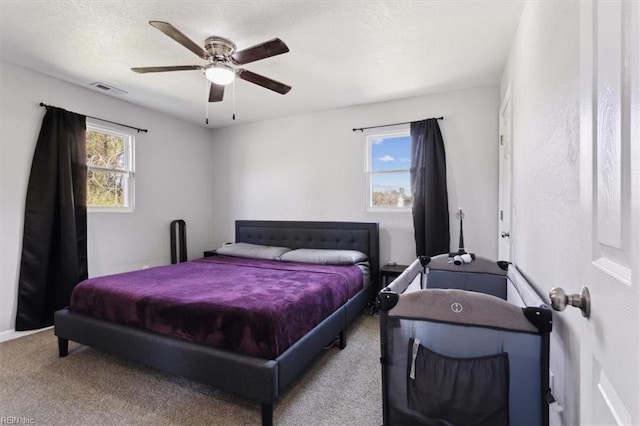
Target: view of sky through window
[(390, 163)]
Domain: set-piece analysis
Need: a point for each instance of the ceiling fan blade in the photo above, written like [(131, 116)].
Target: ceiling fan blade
[(175, 34), (216, 92), (260, 51), (143, 70), (260, 80)]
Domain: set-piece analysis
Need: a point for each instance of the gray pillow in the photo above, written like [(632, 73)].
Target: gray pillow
[(324, 256), (254, 251)]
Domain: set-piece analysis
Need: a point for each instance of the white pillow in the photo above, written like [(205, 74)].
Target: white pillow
[(324, 256), (254, 251)]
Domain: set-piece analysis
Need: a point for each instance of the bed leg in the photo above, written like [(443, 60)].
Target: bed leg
[(343, 340), (267, 414), (63, 347)]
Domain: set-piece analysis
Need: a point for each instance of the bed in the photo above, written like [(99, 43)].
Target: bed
[(258, 374)]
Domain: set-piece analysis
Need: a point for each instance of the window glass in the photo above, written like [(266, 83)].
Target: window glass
[(110, 169), (388, 164)]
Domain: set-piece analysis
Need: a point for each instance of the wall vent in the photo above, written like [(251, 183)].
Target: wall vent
[(106, 88)]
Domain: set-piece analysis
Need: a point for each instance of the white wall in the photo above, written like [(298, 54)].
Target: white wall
[(311, 167), (173, 176), (543, 71)]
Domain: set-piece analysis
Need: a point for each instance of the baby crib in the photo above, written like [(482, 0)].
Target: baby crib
[(463, 345)]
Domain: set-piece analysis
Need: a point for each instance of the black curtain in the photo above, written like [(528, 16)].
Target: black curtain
[(54, 244), (429, 188)]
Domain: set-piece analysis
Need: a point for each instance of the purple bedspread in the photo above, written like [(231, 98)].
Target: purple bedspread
[(256, 307)]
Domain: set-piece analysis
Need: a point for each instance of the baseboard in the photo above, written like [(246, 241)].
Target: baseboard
[(12, 334)]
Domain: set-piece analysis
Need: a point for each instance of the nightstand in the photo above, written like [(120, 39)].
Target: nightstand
[(209, 253), (389, 272)]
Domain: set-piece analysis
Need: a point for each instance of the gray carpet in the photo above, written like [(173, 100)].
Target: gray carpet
[(90, 387)]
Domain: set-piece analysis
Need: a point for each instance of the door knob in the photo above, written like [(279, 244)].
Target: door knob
[(505, 234), (560, 300)]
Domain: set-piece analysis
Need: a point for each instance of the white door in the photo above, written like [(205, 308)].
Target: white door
[(504, 180), (610, 203)]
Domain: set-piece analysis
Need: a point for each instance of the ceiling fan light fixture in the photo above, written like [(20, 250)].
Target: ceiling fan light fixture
[(222, 58), (220, 73)]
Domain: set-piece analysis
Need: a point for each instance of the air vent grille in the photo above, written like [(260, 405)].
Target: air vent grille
[(109, 89)]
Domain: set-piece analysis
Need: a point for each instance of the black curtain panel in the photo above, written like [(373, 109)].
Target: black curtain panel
[(429, 188), (54, 244)]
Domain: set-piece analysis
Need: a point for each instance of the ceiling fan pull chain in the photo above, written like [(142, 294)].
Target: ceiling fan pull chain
[(233, 88), (206, 100)]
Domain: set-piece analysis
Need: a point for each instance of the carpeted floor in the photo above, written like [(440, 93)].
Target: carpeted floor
[(93, 388)]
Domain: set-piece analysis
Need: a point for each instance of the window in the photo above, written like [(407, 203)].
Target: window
[(388, 163), (110, 169)]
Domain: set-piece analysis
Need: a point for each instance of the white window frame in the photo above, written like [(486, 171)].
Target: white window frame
[(401, 130), (129, 160)]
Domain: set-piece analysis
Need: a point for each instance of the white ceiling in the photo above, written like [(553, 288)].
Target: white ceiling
[(342, 53)]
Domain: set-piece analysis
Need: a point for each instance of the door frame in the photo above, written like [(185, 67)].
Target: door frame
[(505, 178)]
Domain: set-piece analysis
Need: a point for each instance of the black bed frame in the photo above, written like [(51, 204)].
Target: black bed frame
[(258, 379)]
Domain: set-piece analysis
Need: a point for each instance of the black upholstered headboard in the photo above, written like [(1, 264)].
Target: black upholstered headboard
[(361, 236)]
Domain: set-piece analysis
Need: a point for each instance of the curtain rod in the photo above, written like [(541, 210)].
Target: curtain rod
[(101, 119), (387, 125)]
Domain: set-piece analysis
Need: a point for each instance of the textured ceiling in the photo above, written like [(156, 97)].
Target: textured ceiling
[(342, 53)]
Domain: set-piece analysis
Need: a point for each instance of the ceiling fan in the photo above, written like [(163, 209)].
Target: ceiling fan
[(222, 58)]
